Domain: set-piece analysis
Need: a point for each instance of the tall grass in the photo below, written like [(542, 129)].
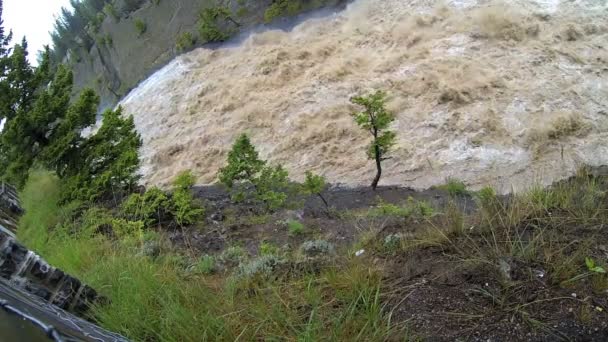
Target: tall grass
[(157, 299)]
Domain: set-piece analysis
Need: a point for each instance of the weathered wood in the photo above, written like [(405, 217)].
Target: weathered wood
[(10, 207)]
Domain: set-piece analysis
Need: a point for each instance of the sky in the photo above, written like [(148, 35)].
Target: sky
[(33, 19)]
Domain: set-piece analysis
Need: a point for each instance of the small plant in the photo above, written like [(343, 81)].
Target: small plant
[(246, 175), (592, 267), (455, 187), (315, 185), (389, 209), (376, 119), (128, 229), (140, 27), (185, 41), (110, 11), (295, 227), (185, 209), (233, 255), (281, 8), (209, 24), (392, 242), (109, 41), (317, 248), (151, 207), (243, 163), (156, 2), (206, 265), (260, 268), (267, 248)]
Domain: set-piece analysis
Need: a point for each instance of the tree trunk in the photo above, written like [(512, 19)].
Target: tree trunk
[(324, 201), (378, 169), (378, 160)]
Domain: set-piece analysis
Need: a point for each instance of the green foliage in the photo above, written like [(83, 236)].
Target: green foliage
[(110, 11), (412, 208), (205, 265), (295, 227), (455, 187), (152, 207), (246, 169), (243, 163), (314, 184), (140, 26), (270, 186), (233, 255), (107, 161), (262, 267), (185, 209), (128, 229), (210, 21), (185, 41), (592, 267), (282, 8), (376, 119), (268, 248)]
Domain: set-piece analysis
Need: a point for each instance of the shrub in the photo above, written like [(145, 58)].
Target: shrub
[(151, 207), (185, 209), (205, 265), (317, 248), (392, 242), (267, 248), (209, 24), (128, 229), (390, 209), (245, 171), (295, 227), (140, 27), (454, 187), (261, 268), (243, 163), (270, 186), (315, 185), (109, 10), (282, 8), (185, 41), (233, 255)]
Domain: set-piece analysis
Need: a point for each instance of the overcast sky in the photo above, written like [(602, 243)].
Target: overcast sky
[(33, 19)]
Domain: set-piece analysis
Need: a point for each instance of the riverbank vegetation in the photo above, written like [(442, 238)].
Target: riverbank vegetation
[(263, 258)]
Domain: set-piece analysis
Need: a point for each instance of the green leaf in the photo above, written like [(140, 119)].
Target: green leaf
[(590, 264)]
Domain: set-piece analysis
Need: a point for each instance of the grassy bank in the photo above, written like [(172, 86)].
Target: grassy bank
[(165, 298), (516, 268)]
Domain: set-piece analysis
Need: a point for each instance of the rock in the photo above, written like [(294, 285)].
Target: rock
[(217, 217)]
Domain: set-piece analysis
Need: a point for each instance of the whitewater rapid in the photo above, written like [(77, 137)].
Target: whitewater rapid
[(492, 93)]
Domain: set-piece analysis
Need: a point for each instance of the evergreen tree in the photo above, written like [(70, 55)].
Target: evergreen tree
[(243, 162), (108, 161)]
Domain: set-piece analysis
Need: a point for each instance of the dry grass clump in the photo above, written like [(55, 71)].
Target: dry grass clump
[(503, 22)]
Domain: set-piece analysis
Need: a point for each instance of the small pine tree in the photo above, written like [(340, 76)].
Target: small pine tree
[(243, 163), (185, 208), (376, 119), (270, 184), (315, 185)]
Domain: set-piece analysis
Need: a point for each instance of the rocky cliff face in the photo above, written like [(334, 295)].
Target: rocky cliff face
[(130, 45)]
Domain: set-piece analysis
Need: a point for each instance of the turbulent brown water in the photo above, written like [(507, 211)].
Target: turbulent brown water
[(493, 93)]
